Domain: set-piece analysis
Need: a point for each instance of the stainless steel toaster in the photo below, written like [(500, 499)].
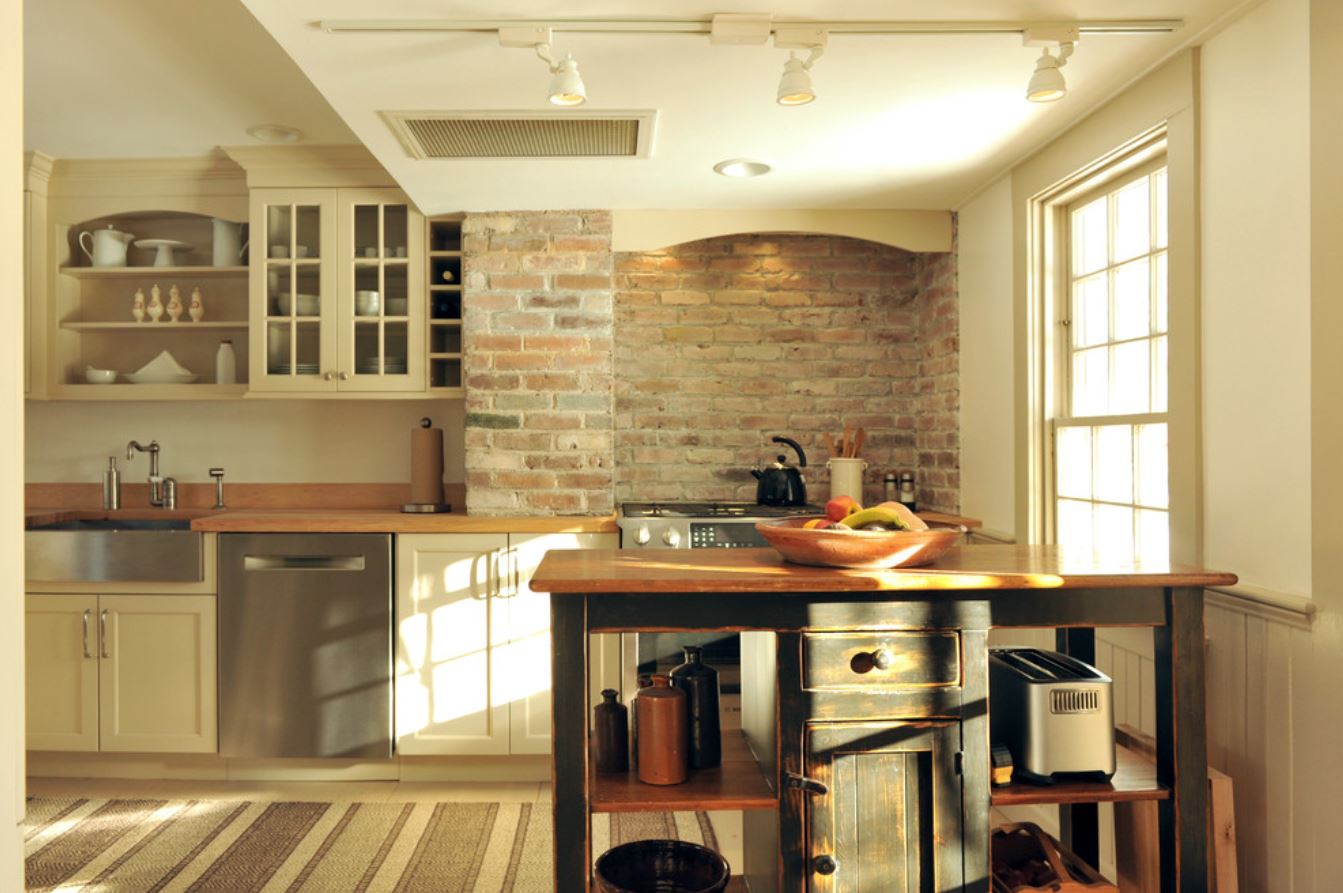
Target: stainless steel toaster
[(1053, 712)]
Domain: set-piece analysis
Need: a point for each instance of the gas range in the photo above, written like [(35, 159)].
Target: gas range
[(699, 525)]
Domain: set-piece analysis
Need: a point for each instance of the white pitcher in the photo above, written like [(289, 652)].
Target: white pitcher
[(228, 244), (106, 247)]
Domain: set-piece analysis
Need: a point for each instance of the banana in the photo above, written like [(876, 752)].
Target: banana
[(876, 515), (912, 521)]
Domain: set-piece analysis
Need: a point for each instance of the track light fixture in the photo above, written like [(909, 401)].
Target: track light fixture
[(795, 86), (1047, 84), (566, 85)]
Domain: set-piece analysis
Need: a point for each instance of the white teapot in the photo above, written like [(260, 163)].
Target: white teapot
[(108, 246)]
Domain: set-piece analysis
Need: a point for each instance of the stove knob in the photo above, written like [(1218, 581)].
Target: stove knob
[(672, 537), (641, 536)]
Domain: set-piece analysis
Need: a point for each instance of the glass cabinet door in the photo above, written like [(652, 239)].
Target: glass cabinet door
[(382, 307), (295, 289)]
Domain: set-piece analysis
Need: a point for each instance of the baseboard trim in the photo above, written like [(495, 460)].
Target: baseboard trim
[(185, 767)]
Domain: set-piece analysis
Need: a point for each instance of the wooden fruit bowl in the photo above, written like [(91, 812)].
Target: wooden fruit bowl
[(858, 548)]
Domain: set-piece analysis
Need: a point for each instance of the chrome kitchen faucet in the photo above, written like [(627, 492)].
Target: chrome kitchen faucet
[(162, 491)]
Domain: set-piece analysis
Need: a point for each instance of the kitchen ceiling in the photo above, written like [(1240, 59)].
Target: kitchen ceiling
[(908, 121), (159, 78)]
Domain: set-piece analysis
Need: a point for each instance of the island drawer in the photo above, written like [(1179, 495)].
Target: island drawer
[(870, 660)]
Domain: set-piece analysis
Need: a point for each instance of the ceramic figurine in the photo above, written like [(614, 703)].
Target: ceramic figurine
[(155, 308), (138, 305), (197, 309), (174, 304)]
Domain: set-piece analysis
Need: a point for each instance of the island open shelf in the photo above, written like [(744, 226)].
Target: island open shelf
[(1134, 779), (736, 784)]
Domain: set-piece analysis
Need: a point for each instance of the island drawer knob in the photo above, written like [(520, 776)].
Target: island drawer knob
[(824, 864), (883, 659)]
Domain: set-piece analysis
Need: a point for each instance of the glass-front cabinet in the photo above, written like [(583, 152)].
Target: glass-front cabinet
[(338, 290)]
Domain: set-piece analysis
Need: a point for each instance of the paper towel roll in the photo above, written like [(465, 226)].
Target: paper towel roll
[(426, 464)]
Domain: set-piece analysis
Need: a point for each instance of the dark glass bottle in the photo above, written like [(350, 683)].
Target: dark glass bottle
[(611, 727), (700, 684)]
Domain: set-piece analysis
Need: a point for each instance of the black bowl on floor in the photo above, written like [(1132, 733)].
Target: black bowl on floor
[(661, 866)]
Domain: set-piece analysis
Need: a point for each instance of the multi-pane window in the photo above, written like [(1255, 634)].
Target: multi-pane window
[(1111, 487)]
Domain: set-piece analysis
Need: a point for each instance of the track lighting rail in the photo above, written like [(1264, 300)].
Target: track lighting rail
[(704, 26)]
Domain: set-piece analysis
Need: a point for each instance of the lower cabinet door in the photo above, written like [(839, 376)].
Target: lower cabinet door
[(525, 674), (891, 819), (158, 673), (61, 672), (451, 633)]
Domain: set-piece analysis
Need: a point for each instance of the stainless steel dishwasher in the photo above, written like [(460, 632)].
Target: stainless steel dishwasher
[(305, 645)]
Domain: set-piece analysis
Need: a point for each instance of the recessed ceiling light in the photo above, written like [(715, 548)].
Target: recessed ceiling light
[(741, 167), (275, 133)]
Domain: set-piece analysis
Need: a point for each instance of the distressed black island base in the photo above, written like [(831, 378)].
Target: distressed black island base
[(863, 763)]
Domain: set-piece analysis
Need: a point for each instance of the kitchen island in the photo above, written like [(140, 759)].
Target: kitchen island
[(831, 735)]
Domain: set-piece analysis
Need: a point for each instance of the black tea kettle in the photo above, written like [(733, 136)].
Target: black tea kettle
[(781, 483)]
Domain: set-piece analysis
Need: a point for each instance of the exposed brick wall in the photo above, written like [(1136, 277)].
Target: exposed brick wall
[(537, 338), (938, 415), (722, 343)]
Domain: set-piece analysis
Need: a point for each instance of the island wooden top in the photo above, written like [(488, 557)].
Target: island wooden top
[(583, 572)]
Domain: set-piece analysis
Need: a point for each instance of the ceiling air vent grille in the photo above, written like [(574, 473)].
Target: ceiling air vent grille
[(521, 135)]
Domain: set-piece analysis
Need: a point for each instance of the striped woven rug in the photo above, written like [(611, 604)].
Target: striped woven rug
[(185, 846)]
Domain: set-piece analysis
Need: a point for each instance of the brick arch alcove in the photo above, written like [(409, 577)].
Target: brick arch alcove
[(721, 343)]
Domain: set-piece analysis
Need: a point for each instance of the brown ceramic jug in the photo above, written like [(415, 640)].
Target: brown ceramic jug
[(611, 734), (641, 682), (663, 737)]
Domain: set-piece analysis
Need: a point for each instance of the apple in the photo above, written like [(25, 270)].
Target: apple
[(841, 507)]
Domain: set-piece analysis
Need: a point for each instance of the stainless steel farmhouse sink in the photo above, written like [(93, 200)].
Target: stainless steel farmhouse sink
[(99, 550)]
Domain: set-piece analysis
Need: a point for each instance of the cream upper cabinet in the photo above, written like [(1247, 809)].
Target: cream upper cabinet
[(61, 672), (127, 673), (157, 674), (337, 292), (451, 620), (527, 672)]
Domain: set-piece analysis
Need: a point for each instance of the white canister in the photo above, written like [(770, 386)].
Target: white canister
[(226, 364), (846, 478)]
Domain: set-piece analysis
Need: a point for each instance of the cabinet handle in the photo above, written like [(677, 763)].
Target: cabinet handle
[(876, 659), (102, 634), (344, 376), (883, 659), (806, 785), (824, 864), (328, 376), (87, 613)]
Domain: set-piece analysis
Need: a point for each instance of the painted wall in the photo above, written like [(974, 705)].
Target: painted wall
[(1256, 295), (256, 441), (986, 358), (11, 477)]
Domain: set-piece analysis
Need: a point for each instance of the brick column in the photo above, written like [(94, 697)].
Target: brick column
[(938, 423), (537, 338)]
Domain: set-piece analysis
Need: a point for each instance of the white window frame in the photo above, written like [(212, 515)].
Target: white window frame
[(1046, 281)]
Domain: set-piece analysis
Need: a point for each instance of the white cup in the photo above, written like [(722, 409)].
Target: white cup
[(279, 251), (370, 251), (846, 478)]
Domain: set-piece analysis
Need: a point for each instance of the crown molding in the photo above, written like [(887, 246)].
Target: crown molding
[(347, 165), (37, 167)]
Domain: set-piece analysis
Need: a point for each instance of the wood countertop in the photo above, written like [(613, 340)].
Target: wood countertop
[(332, 520), (967, 567)]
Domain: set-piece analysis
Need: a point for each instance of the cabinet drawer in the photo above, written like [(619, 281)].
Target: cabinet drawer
[(876, 660)]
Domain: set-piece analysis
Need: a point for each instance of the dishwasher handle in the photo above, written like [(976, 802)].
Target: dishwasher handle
[(303, 563)]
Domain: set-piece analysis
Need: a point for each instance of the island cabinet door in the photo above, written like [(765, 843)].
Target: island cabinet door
[(451, 640), (890, 821)]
